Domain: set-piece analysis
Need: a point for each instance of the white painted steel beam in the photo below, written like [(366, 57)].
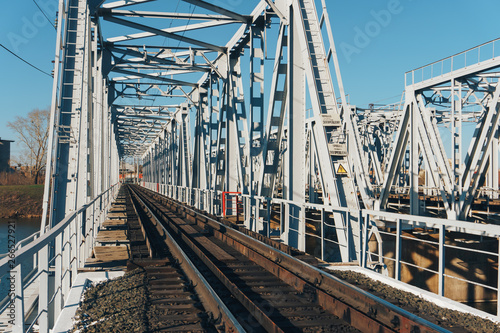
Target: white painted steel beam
[(239, 120)]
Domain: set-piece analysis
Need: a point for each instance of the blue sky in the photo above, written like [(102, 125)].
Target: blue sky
[(399, 35)]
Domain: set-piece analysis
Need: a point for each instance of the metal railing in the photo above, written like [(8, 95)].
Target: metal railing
[(58, 252), (385, 240), (464, 59), (468, 244), (30, 277)]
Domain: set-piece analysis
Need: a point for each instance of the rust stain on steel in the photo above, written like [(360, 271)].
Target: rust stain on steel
[(349, 302), (259, 315)]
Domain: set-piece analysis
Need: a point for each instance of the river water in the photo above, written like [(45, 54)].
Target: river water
[(24, 228)]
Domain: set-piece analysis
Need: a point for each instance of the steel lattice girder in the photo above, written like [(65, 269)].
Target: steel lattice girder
[(261, 131), (234, 148), (466, 94)]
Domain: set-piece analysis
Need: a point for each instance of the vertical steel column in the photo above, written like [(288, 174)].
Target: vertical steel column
[(58, 300), (414, 157), (105, 126), (75, 246), (498, 280), (213, 126), (348, 236), (294, 187), (322, 221), (43, 295), (84, 231), (456, 100), (457, 170), (72, 106), (257, 225), (174, 139), (365, 240), (232, 145), (66, 265), (256, 112), (164, 137), (274, 137), (442, 260), (494, 165), (16, 274), (247, 212), (268, 206), (168, 167), (43, 269), (397, 254), (154, 160), (184, 151), (199, 172), (52, 124), (94, 116)]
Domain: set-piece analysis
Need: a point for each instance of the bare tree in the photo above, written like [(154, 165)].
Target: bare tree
[(33, 132)]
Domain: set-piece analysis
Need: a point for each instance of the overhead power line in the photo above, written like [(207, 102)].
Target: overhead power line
[(52, 24), (15, 55)]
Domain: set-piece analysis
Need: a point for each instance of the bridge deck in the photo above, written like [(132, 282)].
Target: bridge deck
[(113, 244)]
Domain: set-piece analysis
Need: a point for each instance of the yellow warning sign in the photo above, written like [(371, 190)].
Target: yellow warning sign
[(341, 170)]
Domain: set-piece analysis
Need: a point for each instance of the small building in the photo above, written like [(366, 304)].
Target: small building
[(5, 155)]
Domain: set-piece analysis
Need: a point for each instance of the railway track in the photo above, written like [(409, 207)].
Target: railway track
[(267, 286)]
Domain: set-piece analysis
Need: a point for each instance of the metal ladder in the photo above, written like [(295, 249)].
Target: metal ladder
[(346, 195), (275, 119), (185, 156), (240, 117), (322, 78)]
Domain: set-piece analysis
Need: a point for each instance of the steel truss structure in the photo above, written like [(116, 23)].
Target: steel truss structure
[(240, 127), (440, 99), (84, 149), (211, 100), (83, 159)]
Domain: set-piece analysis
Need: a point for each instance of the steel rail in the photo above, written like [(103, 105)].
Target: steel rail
[(361, 309), (211, 301), (257, 313)]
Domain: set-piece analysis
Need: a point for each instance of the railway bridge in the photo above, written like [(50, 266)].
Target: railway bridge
[(244, 115)]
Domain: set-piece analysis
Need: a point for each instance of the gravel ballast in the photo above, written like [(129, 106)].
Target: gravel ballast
[(455, 321), (118, 305)]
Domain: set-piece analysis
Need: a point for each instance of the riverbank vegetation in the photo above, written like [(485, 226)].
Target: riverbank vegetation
[(21, 201)]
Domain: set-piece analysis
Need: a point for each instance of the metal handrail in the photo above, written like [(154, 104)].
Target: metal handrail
[(28, 279), (362, 232), (454, 55), (414, 79), (35, 246), (18, 245), (415, 220), (40, 244)]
